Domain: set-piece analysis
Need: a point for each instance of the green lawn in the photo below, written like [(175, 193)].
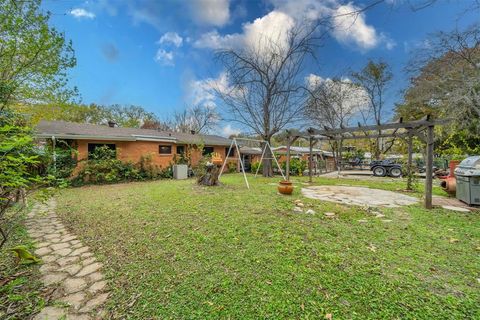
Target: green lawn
[(172, 249)]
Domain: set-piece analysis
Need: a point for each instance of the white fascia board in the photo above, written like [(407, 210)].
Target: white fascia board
[(82, 137)]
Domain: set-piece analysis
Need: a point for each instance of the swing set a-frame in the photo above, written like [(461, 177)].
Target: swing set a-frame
[(234, 144)]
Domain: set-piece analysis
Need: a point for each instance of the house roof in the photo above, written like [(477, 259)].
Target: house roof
[(302, 150), (85, 131), (250, 150)]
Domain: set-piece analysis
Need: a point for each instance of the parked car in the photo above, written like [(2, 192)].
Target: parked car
[(381, 168)]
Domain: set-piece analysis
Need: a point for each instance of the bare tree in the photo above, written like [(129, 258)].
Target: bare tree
[(374, 78), (200, 119), (265, 92), (155, 124), (333, 104)]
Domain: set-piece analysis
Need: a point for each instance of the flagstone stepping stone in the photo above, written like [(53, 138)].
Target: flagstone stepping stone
[(50, 313), (76, 299), (79, 251), (72, 285), (68, 266), (43, 251), (98, 300), (59, 246), (97, 286), (53, 277), (89, 269), (72, 269), (358, 196), (453, 208), (96, 276)]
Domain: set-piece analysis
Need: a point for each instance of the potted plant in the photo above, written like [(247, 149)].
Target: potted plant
[(285, 187)]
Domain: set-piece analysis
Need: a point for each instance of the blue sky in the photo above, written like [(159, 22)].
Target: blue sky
[(159, 54)]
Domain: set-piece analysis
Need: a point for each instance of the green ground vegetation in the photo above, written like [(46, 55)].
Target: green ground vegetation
[(173, 250), (21, 291)]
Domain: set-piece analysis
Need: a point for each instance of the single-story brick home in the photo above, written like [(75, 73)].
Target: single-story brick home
[(131, 144)]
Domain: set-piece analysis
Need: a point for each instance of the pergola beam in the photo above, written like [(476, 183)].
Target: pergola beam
[(385, 126), (411, 128)]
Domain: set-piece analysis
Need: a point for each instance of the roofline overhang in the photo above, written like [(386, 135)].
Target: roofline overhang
[(103, 138)]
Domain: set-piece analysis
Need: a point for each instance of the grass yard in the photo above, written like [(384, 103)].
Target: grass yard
[(172, 249)]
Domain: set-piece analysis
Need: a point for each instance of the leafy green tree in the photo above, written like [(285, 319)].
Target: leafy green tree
[(18, 160), (34, 57), (445, 83)]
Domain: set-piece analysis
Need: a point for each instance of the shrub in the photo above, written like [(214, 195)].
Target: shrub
[(297, 166), (256, 166), (231, 167), (103, 167), (147, 169)]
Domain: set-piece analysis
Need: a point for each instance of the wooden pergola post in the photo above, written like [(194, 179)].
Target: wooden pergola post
[(310, 160), (409, 161), (287, 162), (429, 168)]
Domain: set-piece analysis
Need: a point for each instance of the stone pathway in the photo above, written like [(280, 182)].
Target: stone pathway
[(68, 267), (358, 196)]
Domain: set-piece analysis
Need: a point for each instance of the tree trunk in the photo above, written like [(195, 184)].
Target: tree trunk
[(210, 177), (267, 160)]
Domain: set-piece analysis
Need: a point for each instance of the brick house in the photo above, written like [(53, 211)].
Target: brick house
[(131, 144)]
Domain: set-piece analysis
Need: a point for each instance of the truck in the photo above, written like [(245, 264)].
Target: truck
[(382, 168)]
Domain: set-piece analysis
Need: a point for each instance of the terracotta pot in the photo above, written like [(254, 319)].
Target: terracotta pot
[(449, 185), (285, 187)]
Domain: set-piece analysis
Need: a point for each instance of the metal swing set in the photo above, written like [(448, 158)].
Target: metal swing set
[(234, 144)]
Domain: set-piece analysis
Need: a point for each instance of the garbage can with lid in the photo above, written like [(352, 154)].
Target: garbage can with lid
[(468, 180)]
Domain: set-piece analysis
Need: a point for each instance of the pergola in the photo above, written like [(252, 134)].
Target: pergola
[(423, 129)]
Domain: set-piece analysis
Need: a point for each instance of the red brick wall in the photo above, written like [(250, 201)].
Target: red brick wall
[(133, 150)]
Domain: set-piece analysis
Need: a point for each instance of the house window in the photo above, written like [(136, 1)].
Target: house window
[(232, 152), (207, 151), (180, 149), (93, 146), (165, 149)]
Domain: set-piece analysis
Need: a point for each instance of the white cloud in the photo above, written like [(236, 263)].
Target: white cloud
[(80, 13), (389, 43), (313, 80), (164, 57), (228, 131), (355, 98), (302, 10), (202, 92), (350, 27), (211, 12), (214, 40), (263, 33), (171, 37)]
